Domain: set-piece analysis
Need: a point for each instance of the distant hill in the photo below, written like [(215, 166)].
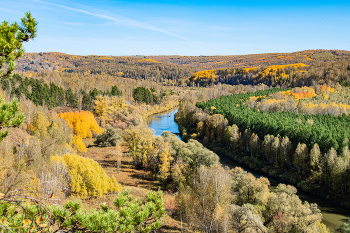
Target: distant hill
[(175, 68), (214, 62)]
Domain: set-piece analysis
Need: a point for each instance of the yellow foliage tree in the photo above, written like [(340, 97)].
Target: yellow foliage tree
[(16, 172), (102, 107), (159, 158), (204, 76), (105, 106), (272, 70), (149, 151), (148, 60), (79, 144), (117, 102), (39, 124), (164, 160), (86, 176), (140, 140)]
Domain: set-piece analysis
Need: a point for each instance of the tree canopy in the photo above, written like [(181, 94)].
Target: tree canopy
[(12, 36)]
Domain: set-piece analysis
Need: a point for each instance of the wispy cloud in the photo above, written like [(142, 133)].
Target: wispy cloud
[(74, 24), (121, 20), (4, 9)]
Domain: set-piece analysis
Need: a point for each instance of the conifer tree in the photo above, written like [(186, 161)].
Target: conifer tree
[(12, 36), (94, 93), (10, 116), (87, 102), (143, 95), (71, 100), (115, 91)]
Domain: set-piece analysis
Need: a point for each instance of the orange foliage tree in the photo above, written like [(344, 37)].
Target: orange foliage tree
[(83, 124)]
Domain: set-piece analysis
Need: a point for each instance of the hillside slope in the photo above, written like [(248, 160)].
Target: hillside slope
[(160, 68)]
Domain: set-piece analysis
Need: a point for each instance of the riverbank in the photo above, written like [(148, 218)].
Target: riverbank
[(333, 214), (165, 106)]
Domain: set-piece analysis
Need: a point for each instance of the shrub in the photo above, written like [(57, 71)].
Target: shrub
[(109, 137), (345, 227), (85, 177)]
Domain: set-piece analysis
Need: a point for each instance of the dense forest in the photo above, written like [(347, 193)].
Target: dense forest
[(299, 134)]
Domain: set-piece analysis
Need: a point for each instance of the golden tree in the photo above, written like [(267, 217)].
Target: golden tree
[(85, 176)]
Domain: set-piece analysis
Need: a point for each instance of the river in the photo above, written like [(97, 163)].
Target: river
[(333, 214)]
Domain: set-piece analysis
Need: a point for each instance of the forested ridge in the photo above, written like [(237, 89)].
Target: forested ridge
[(318, 65), (288, 75)]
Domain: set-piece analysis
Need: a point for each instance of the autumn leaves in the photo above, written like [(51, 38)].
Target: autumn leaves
[(148, 151), (83, 124), (85, 176), (279, 74)]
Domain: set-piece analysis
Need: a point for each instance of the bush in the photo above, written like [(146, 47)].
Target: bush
[(109, 137), (85, 177)]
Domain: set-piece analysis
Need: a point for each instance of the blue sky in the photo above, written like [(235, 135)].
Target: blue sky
[(106, 27)]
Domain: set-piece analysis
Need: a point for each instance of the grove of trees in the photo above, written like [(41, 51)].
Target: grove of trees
[(300, 147)]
